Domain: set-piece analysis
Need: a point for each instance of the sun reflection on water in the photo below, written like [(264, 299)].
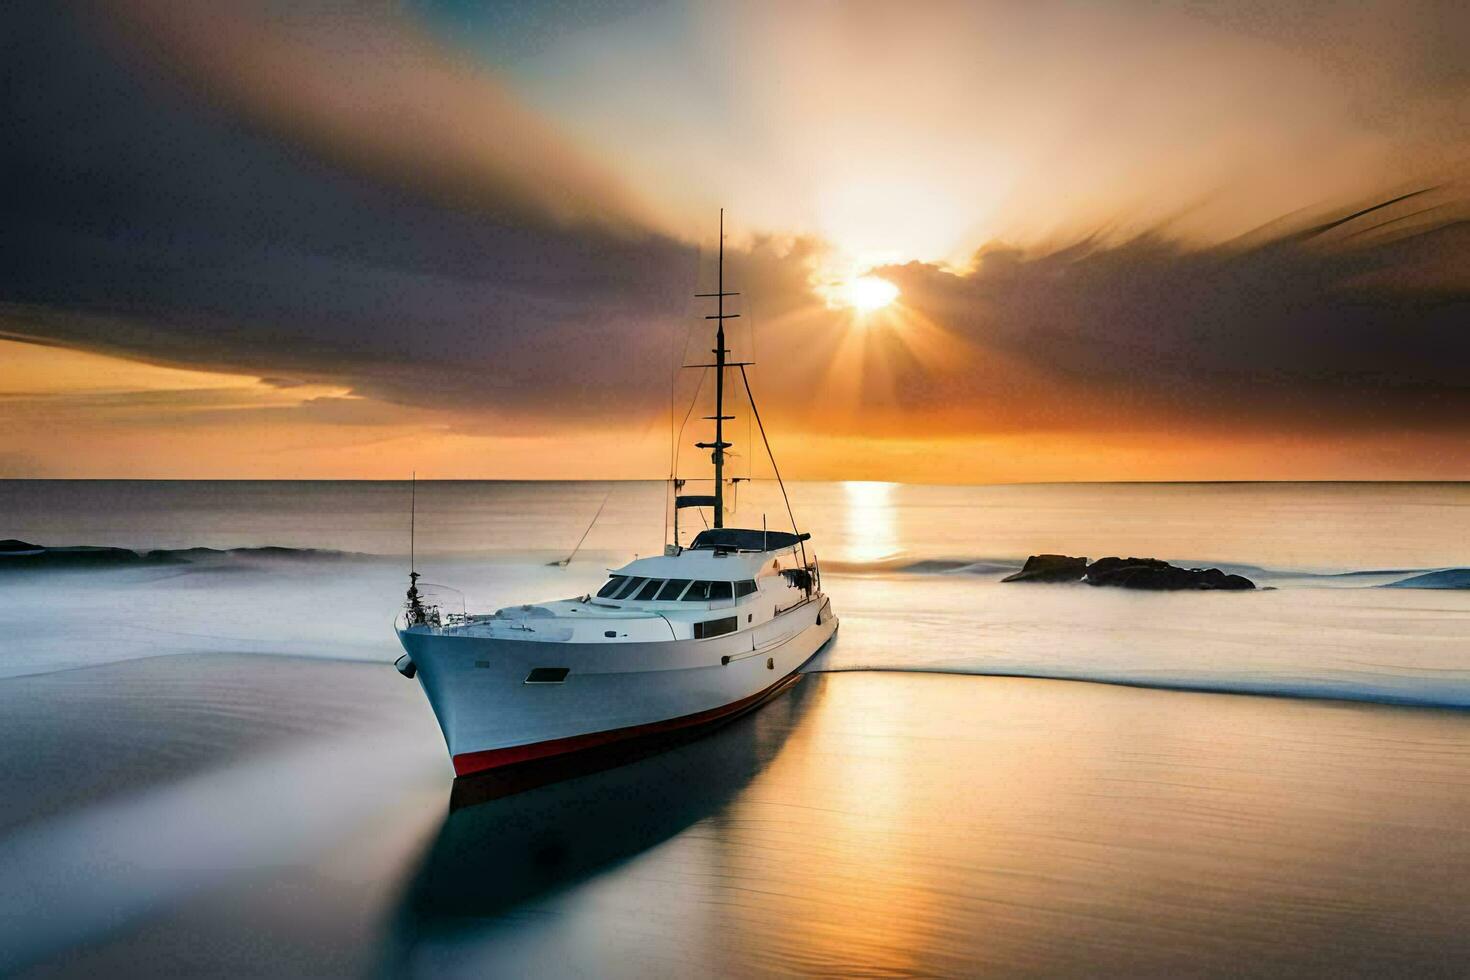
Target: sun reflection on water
[(870, 530)]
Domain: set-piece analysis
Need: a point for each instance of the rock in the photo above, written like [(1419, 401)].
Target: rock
[(1127, 573), (1050, 568), (1151, 573), (1104, 568)]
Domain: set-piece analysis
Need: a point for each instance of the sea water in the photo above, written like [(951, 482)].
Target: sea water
[(209, 764), (914, 572)]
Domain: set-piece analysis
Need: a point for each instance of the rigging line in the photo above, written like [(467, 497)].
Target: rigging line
[(772, 456), (568, 559), (671, 488), (674, 449), (669, 484), (750, 458), (673, 392)]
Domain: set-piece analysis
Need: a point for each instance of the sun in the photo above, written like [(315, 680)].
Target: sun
[(868, 293)]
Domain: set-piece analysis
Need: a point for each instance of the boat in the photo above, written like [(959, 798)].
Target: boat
[(670, 643)]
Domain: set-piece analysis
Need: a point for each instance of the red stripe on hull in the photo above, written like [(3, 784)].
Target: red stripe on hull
[(467, 763)]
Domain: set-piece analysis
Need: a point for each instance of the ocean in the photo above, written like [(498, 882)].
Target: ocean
[(211, 766)]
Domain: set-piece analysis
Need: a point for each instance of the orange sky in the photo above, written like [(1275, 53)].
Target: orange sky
[(70, 414)]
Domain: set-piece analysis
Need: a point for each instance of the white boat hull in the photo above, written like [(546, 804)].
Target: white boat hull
[(492, 716)]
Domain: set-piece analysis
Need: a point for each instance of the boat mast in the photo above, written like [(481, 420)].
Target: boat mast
[(719, 445), (719, 453)]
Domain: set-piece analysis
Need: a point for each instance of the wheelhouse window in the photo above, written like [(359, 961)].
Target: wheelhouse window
[(743, 589), (650, 589), (613, 587), (633, 584), (672, 588), (705, 591)]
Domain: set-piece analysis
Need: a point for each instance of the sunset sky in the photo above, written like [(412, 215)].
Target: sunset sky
[(975, 242)]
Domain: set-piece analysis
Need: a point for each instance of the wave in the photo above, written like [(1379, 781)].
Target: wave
[(18, 555), (263, 551), (1443, 578), (22, 556), (998, 568), (1410, 691), (910, 565)]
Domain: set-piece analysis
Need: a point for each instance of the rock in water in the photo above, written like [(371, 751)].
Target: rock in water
[(1103, 569), (1152, 573), (1127, 573), (1050, 568)]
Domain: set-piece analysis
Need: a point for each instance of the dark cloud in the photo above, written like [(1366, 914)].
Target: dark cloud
[(144, 219), (1356, 322)]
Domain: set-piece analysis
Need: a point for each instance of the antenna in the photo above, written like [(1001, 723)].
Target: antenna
[(413, 502)]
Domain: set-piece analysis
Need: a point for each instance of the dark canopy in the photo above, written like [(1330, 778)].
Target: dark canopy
[(743, 539)]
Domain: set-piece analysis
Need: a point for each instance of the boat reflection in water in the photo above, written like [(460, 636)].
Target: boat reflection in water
[(510, 838)]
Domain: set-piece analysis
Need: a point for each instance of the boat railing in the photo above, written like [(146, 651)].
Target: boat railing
[(443, 598), (432, 605), (436, 621)]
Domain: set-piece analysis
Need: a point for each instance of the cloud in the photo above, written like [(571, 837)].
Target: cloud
[(921, 131), (1350, 325), (331, 199), (165, 221), (367, 88)]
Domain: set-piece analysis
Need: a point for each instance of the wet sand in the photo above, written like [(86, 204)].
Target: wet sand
[(267, 816)]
